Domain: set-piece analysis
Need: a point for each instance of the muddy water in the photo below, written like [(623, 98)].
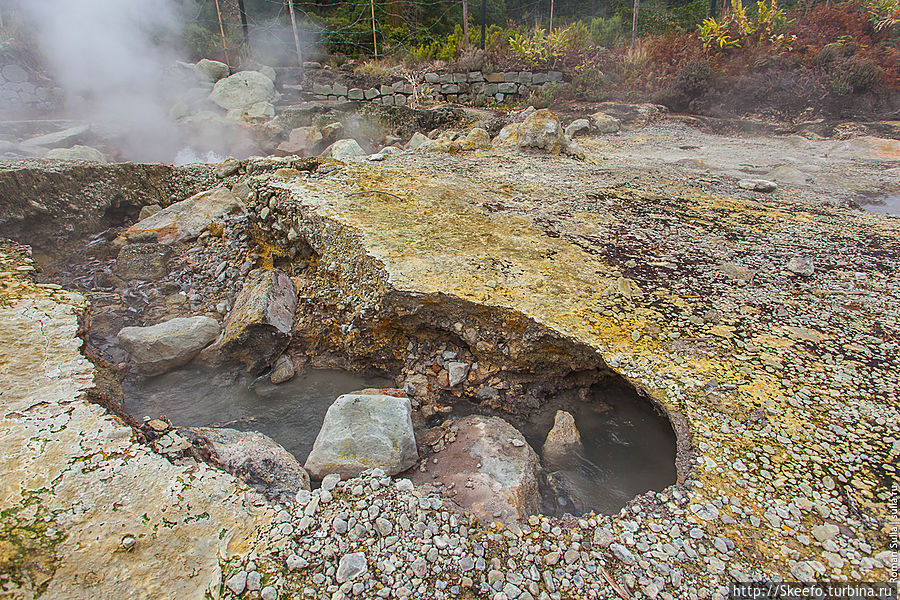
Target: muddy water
[(890, 205), (629, 449), (291, 413)]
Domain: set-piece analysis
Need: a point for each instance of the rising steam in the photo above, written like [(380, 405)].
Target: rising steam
[(116, 62)]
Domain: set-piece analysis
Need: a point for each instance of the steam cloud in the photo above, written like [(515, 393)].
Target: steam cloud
[(115, 60)]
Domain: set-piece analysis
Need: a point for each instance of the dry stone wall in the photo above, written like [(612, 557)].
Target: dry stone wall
[(20, 89), (475, 86)]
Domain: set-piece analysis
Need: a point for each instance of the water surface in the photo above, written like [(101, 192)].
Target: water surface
[(891, 206), (629, 449), (290, 413)]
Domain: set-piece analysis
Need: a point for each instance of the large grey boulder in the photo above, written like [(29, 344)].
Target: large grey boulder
[(578, 127), (242, 90), (418, 139), (212, 69), (490, 466), (258, 328), (185, 220), (253, 457), (162, 347), (344, 150), (605, 123), (363, 431)]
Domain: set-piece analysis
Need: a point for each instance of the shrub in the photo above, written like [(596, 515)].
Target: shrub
[(589, 84), (854, 75), (656, 17), (738, 27), (550, 94), (829, 54), (607, 33), (883, 15), (692, 81), (540, 48), (201, 42)]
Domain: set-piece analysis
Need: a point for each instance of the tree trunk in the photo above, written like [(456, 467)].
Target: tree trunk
[(222, 31), (550, 30), (634, 21), (483, 16), (465, 43), (374, 39), (245, 28), (290, 4)]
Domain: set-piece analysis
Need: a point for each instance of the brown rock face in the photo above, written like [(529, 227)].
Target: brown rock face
[(492, 468), (563, 441), (184, 220), (258, 328)]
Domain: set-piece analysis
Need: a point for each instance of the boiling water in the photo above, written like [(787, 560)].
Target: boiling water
[(628, 448), (290, 413)]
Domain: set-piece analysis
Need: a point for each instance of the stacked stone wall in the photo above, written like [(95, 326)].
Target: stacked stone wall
[(477, 87)]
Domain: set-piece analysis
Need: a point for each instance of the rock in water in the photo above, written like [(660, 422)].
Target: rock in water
[(251, 456), (59, 138), (242, 90), (364, 431), (258, 328), (185, 220), (491, 467), (563, 442), (283, 371), (160, 348)]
